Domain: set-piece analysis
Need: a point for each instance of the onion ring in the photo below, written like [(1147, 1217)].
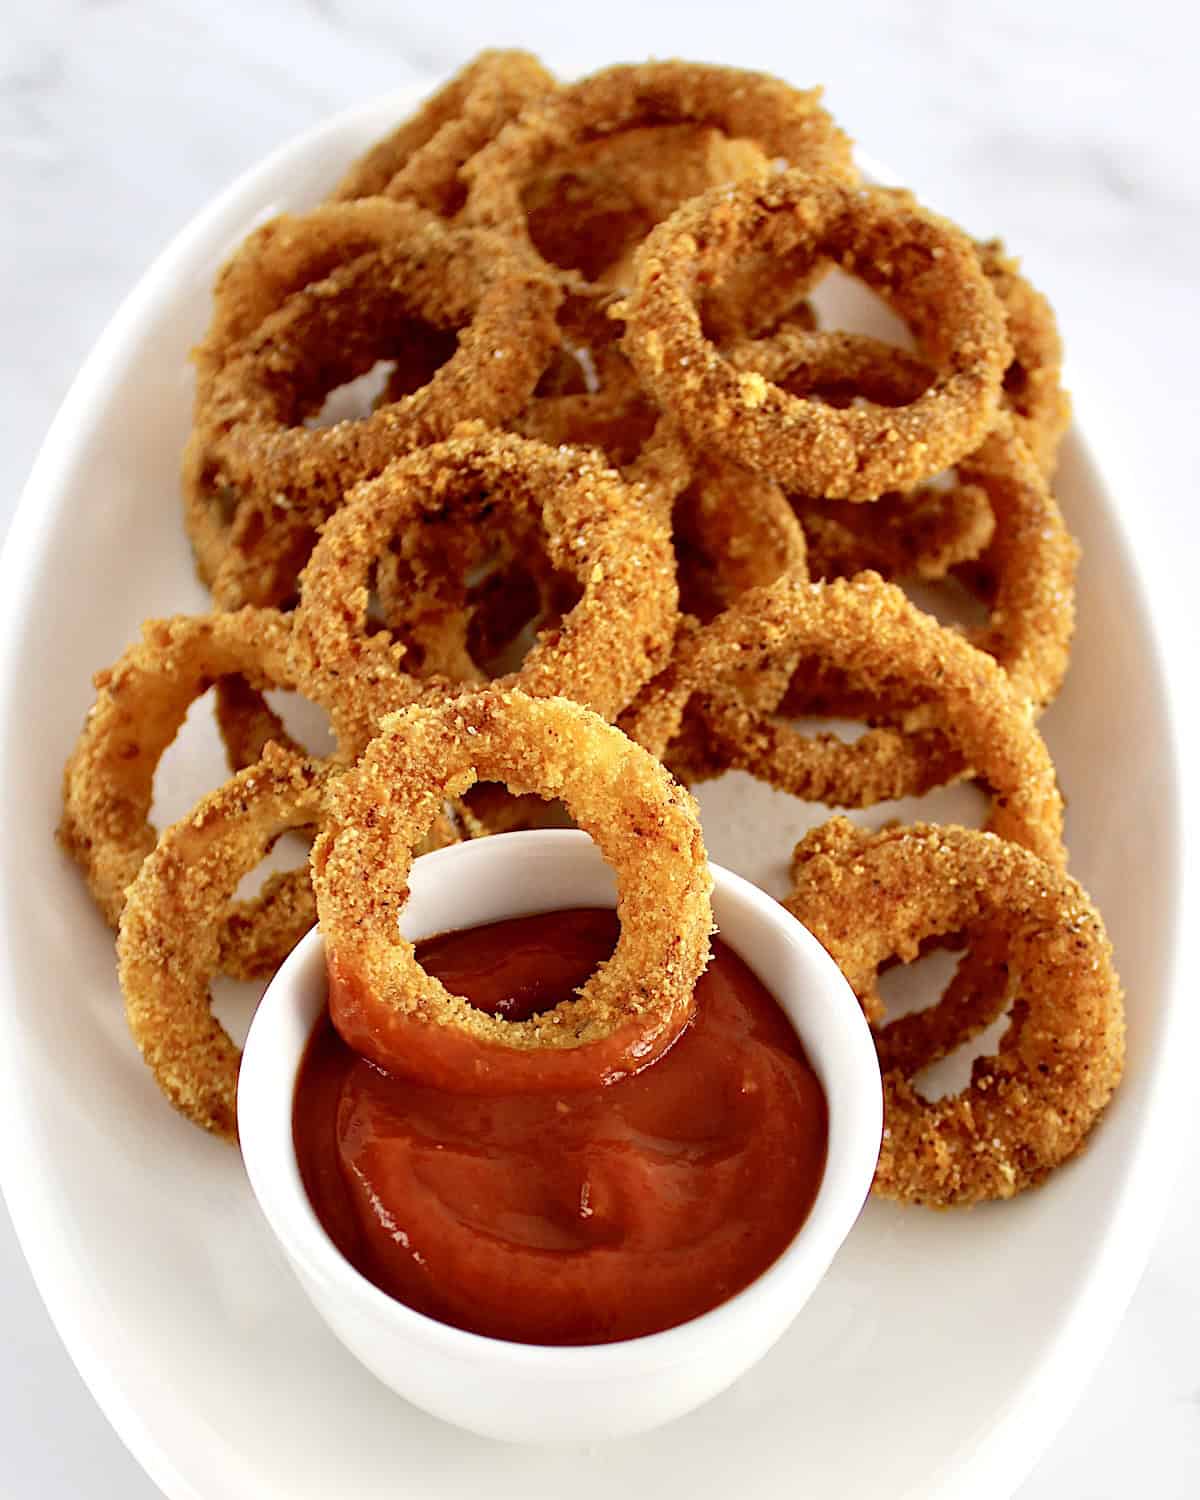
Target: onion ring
[(250, 438), (924, 267), (1030, 1106), (142, 700), (603, 532), (168, 947), (594, 203), (285, 255), (785, 122), (421, 158), (381, 1000), (968, 713)]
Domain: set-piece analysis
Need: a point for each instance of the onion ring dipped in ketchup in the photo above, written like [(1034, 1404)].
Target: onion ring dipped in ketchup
[(388, 1008)]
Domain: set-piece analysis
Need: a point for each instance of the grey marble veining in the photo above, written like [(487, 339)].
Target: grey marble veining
[(1071, 128)]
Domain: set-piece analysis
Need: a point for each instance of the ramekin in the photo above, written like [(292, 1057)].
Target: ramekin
[(534, 1393)]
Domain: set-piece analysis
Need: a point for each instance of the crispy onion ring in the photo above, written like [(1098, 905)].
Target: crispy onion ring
[(141, 703), (168, 947), (604, 533), (421, 158), (999, 511), (921, 265), (785, 122), (1030, 1106), (968, 712), (595, 202), (285, 255), (250, 440), (382, 1001)]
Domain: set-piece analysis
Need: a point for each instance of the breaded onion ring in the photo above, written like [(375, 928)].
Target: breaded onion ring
[(421, 158), (1030, 1106), (168, 947), (921, 265), (784, 122), (599, 530), (390, 1010), (285, 255), (250, 438), (141, 703), (595, 202), (966, 712), (921, 534)]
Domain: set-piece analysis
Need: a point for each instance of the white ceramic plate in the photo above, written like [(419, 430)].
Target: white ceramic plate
[(940, 1353)]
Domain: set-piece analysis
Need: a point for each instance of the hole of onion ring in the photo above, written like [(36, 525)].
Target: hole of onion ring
[(355, 399), (289, 853), (497, 810), (507, 984), (910, 988), (845, 304), (234, 1001), (307, 722), (420, 351), (950, 601), (581, 216), (193, 764), (905, 988), (952, 1074), (469, 597)]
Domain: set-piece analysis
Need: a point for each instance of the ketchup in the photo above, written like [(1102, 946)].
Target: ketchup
[(573, 1218)]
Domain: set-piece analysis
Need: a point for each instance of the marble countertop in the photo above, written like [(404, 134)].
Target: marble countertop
[(1071, 127)]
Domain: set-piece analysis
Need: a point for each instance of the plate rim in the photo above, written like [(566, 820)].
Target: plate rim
[(995, 1465)]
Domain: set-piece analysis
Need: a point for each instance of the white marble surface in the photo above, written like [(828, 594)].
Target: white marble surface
[(1072, 128)]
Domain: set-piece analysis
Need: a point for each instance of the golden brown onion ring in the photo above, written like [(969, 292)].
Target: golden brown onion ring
[(786, 123), (645, 825), (967, 713), (168, 947), (1030, 1106), (250, 439), (922, 266), (141, 703), (602, 532)]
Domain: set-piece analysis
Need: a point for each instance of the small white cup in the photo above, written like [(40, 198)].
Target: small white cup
[(527, 1392)]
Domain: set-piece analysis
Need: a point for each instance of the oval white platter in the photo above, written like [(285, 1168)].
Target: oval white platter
[(942, 1351)]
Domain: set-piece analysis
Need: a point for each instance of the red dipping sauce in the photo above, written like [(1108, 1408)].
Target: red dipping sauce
[(583, 1217)]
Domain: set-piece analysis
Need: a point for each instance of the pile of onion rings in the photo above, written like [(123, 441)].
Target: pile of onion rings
[(528, 456)]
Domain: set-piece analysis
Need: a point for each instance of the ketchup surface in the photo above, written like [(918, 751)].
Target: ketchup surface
[(574, 1218)]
